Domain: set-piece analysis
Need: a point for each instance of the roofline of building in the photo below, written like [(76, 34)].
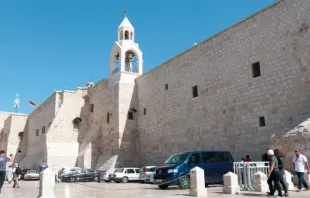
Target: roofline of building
[(63, 91), (214, 36), (21, 114)]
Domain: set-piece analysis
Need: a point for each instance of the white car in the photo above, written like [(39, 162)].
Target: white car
[(146, 173), (32, 174), (124, 175), (107, 173)]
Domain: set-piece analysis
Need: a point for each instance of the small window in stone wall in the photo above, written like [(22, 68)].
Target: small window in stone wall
[(130, 115), (76, 122), (19, 151), (91, 107), (144, 111), (20, 135), (262, 122), (166, 86), (49, 124), (108, 117), (37, 132), (256, 69), (195, 91), (43, 129)]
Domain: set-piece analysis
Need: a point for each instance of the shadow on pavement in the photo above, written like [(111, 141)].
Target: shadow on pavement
[(246, 194)]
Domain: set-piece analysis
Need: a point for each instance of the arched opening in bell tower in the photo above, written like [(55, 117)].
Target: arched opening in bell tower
[(116, 63), (126, 35), (131, 62)]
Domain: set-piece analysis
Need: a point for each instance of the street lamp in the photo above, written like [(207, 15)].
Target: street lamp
[(16, 103)]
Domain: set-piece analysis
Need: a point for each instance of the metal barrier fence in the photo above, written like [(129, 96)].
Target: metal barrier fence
[(245, 172)]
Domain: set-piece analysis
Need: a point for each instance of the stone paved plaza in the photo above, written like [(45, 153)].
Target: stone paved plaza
[(30, 189)]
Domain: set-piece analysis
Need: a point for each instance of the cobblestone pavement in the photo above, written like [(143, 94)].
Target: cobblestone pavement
[(30, 189)]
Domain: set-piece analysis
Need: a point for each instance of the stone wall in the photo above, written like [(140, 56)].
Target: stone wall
[(97, 135), (62, 147), (225, 115), (128, 132), (39, 119), (3, 136), (16, 125)]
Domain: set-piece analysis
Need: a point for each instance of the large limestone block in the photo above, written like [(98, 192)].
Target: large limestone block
[(47, 184), (260, 182), (288, 180), (231, 184), (197, 179)]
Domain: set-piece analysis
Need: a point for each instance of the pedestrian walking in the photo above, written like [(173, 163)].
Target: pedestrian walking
[(3, 161), (10, 174), (274, 175), (15, 178), (43, 166), (18, 171), (300, 164), (279, 157)]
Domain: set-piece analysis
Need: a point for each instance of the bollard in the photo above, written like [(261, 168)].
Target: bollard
[(260, 182), (288, 180), (231, 184), (47, 184), (197, 179)]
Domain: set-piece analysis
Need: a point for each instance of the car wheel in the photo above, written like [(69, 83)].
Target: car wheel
[(163, 187), (184, 182), (96, 179), (125, 179)]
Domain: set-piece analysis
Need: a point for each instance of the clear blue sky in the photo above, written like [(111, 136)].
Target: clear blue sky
[(58, 44)]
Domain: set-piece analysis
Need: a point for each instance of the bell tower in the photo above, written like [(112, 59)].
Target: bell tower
[(126, 55)]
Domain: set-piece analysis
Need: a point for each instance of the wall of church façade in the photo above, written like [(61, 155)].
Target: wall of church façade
[(236, 106)]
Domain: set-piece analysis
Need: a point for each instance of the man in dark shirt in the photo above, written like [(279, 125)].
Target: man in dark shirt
[(3, 161), (43, 166), (279, 157), (274, 174)]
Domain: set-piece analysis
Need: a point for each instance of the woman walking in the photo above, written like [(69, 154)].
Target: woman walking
[(274, 175), (279, 157)]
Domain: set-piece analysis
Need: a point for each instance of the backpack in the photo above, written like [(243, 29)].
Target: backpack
[(18, 171)]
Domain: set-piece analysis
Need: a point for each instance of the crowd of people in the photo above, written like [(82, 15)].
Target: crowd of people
[(276, 172)]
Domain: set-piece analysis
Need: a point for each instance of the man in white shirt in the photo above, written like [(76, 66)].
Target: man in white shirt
[(300, 164)]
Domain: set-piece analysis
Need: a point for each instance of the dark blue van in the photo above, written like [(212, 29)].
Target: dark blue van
[(176, 169)]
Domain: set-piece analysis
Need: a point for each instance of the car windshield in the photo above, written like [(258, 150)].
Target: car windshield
[(119, 170), (177, 158), (151, 169)]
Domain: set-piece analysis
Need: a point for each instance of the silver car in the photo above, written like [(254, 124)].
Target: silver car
[(32, 174), (107, 173), (146, 173)]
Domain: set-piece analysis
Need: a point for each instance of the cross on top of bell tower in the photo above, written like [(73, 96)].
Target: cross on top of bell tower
[(126, 12)]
